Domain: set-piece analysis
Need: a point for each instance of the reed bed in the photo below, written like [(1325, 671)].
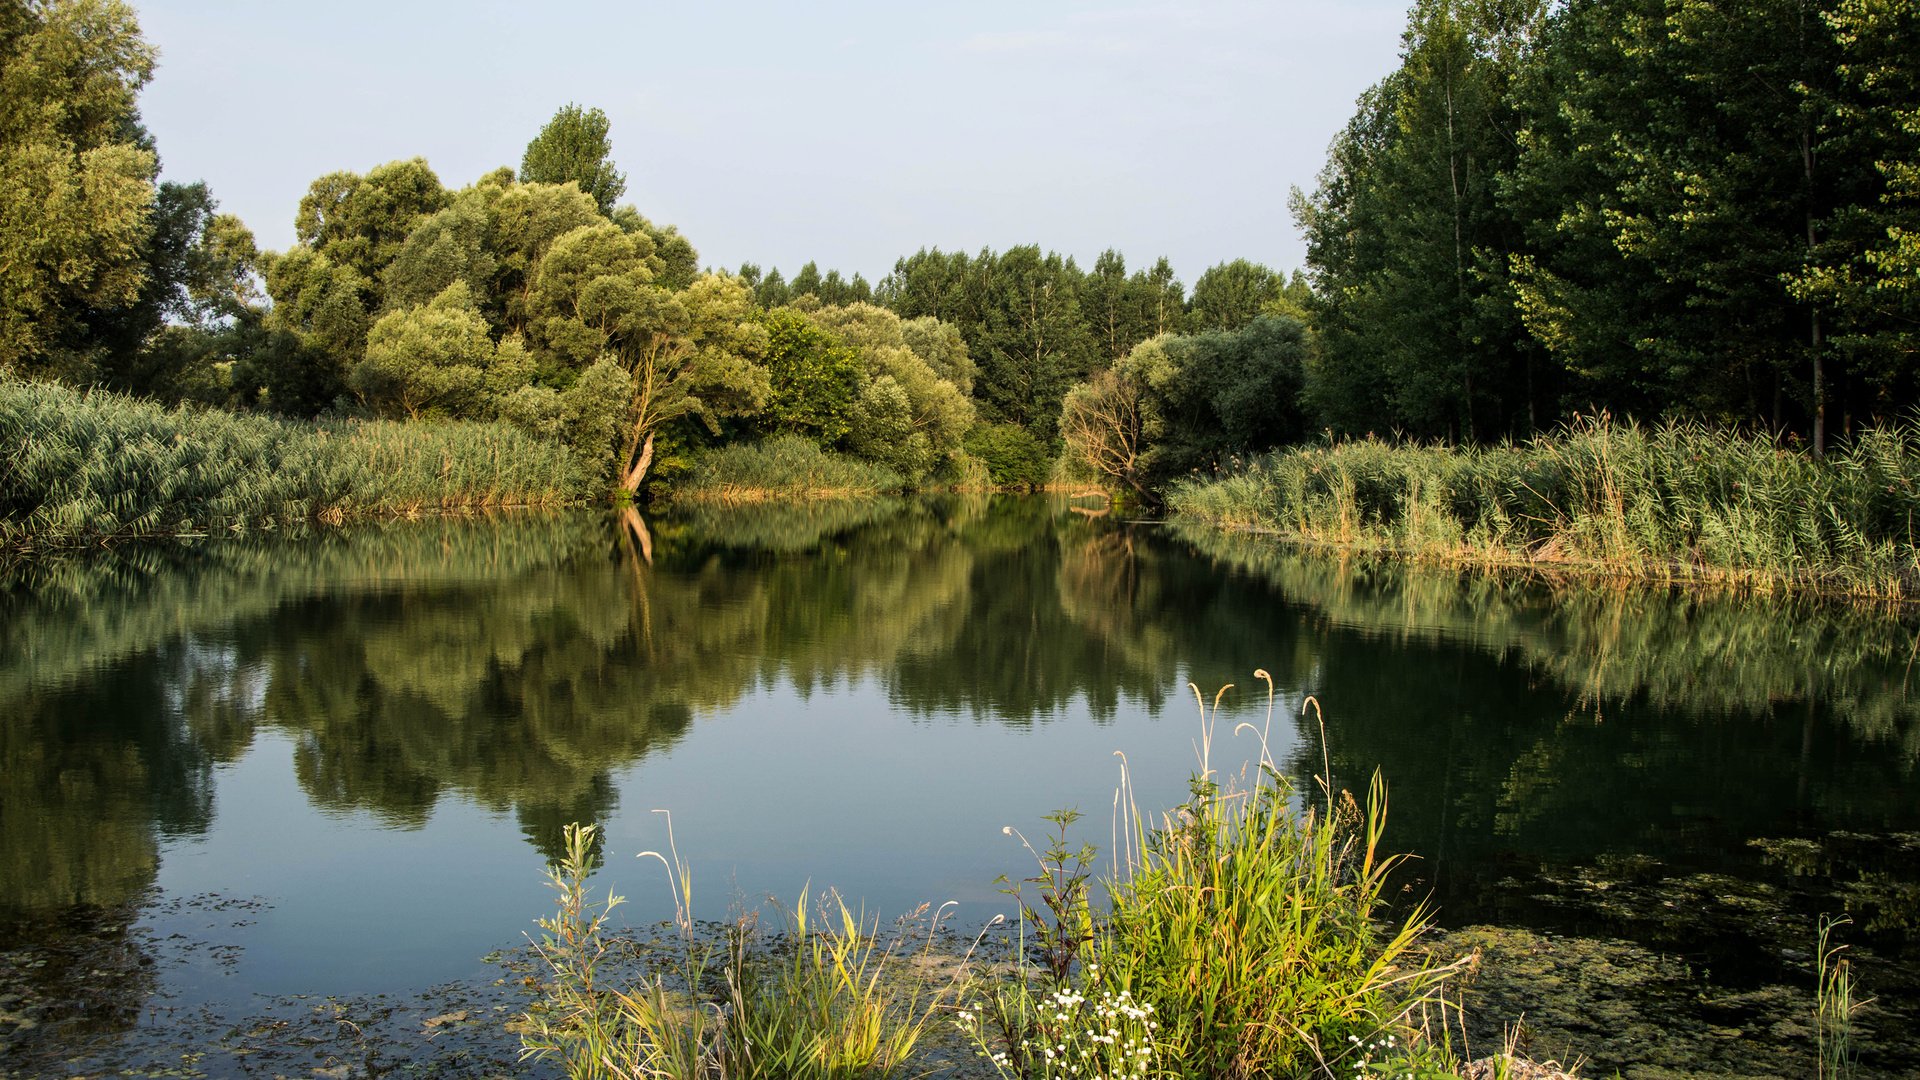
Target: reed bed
[(785, 467), (84, 467), (1677, 503)]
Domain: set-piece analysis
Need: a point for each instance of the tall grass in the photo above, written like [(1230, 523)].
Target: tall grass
[(1675, 503), (1243, 937), (840, 1004), (784, 467), (80, 467)]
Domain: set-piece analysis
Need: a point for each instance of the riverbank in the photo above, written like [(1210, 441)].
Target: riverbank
[(94, 467), (1678, 504)]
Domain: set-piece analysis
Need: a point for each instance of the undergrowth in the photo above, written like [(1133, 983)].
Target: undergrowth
[(782, 467)]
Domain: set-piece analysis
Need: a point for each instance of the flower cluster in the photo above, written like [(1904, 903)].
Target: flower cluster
[(1072, 1037)]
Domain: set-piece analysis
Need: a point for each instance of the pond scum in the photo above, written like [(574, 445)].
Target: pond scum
[(84, 467), (1244, 934), (1680, 503)]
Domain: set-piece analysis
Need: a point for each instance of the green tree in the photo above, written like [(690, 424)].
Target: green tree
[(941, 346), (815, 378), (907, 416), (432, 358), (199, 276), (363, 221), (321, 313), (573, 148), (76, 176), (1230, 295), (1407, 241)]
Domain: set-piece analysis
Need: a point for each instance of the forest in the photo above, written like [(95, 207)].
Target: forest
[(1654, 210)]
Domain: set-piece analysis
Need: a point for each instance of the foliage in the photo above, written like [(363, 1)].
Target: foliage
[(1230, 295), (1013, 457), (1834, 1004), (1662, 208), (573, 148), (815, 378), (1242, 939), (76, 177), (908, 416), (433, 357), (842, 1005), (1178, 405)]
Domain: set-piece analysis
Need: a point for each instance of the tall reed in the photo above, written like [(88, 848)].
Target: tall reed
[(781, 468), (841, 1003), (1679, 502), (1243, 937), (81, 467)]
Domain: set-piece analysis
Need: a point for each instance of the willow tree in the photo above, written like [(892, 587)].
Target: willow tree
[(695, 355)]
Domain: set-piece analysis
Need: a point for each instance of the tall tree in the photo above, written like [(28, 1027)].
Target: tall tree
[(76, 176), (1408, 244), (1675, 178), (574, 147), (1231, 295)]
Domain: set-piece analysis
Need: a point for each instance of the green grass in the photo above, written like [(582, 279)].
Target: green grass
[(1678, 503), (84, 467), (784, 467), (1245, 935), (833, 1000)]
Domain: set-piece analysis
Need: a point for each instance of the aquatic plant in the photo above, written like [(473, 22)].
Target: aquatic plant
[(1242, 938), (93, 466), (1834, 1003), (781, 467), (831, 1000), (1676, 503)]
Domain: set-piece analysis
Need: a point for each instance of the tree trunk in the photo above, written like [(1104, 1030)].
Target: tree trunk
[(631, 483)]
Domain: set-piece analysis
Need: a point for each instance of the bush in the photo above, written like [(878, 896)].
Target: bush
[(781, 467), (1013, 456)]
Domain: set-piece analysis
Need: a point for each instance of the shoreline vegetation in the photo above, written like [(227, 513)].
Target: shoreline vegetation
[(1678, 504), (1174, 961), (97, 467)]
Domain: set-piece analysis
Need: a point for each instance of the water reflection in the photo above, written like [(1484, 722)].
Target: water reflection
[(1583, 761)]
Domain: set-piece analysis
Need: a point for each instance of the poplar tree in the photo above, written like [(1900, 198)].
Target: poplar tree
[(574, 147)]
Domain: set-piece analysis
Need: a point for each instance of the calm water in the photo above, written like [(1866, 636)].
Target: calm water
[(258, 799)]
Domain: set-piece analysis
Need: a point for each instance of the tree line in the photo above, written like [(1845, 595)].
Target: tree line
[(1652, 207)]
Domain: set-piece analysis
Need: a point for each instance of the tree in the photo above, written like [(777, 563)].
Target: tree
[(76, 176), (199, 279), (1230, 295), (1107, 424), (322, 310), (907, 415), (364, 221), (815, 378), (428, 358), (573, 148), (701, 357), (1683, 163), (1177, 404), (1407, 241)]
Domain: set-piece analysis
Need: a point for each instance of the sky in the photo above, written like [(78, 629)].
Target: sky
[(847, 133)]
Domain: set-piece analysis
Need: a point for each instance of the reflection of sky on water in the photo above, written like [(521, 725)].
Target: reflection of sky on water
[(834, 790), (378, 733)]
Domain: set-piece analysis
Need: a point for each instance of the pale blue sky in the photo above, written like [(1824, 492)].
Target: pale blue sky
[(849, 133)]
